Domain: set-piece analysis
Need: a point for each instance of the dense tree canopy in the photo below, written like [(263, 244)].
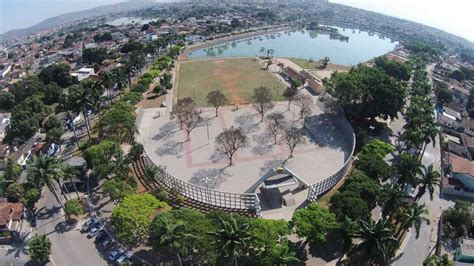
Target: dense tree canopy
[(313, 222), (367, 92), (58, 73), (131, 219), (393, 68)]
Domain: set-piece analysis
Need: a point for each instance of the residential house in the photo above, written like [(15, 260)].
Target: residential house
[(83, 73), (11, 215)]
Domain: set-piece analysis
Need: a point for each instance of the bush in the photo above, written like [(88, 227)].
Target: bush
[(31, 197), (73, 207), (15, 192), (160, 194)]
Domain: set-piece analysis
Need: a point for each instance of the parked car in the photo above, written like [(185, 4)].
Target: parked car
[(88, 224), (107, 243), (114, 254), (101, 236), (125, 256), (94, 231)]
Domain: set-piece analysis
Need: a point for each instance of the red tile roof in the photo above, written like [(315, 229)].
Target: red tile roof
[(461, 165)]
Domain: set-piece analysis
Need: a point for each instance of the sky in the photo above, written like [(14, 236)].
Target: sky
[(17, 14), (454, 16)]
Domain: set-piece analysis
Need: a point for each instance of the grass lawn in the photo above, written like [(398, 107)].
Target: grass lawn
[(236, 78)]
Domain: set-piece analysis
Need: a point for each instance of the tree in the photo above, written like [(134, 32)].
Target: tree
[(414, 215), (232, 238), (457, 220), (131, 219), (216, 99), (57, 73), (229, 141), (192, 121), (183, 231), (45, 169), (290, 94), (377, 147), (94, 55), (270, 245), (54, 135), (393, 68), (69, 173), (73, 207), (262, 101), (7, 100), (293, 137), (408, 168), (435, 260), (99, 156), (367, 188), (12, 169), (367, 92), (349, 204), (275, 125), (32, 195), (377, 243), (15, 192), (182, 110), (306, 105), (392, 200), (313, 223), (324, 62), (428, 181), (117, 189), (374, 166), (40, 248), (120, 165)]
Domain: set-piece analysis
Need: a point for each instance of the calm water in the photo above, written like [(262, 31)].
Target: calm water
[(304, 44)]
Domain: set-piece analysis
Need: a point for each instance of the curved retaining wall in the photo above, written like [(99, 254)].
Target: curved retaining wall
[(327, 103), (219, 199), (250, 201)]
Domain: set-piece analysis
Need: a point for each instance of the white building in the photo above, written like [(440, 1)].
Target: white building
[(83, 73)]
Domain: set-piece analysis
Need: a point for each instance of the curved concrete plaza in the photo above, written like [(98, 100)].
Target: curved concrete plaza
[(324, 152)]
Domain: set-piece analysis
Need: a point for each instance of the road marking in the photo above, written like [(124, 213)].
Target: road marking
[(52, 261)]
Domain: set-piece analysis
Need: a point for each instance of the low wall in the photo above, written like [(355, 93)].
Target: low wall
[(225, 200), (328, 104)]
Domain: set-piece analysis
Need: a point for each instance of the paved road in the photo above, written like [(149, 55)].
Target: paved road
[(416, 250), (70, 247)]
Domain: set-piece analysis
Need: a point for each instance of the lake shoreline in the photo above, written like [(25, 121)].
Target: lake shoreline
[(202, 45)]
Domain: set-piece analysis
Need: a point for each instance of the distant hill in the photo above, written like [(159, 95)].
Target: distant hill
[(75, 16)]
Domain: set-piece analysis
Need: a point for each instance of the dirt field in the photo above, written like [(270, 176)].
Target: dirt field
[(237, 78)]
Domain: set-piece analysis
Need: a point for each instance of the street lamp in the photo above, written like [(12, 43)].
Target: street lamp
[(207, 180)]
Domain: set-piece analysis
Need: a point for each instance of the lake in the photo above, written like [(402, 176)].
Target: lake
[(360, 47)]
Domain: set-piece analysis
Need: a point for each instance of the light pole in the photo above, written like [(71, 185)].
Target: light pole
[(206, 180)]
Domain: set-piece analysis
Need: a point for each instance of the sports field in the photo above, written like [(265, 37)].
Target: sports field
[(236, 78)]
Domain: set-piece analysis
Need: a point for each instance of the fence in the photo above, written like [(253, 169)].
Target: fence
[(328, 104), (224, 200)]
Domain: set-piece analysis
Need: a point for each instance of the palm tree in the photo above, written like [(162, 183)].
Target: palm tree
[(429, 131), (377, 243), (393, 199), (45, 170), (81, 100), (232, 238), (413, 216), (121, 165), (428, 181), (109, 81), (150, 174), (69, 173), (173, 235), (408, 168), (64, 106)]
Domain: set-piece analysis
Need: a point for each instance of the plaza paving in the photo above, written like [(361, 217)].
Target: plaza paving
[(327, 147)]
